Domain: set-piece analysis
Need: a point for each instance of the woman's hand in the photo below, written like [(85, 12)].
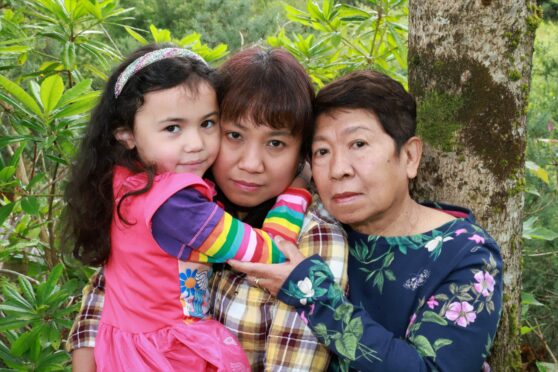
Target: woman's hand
[(271, 276)]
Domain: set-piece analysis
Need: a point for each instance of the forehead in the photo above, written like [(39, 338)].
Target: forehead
[(345, 122)]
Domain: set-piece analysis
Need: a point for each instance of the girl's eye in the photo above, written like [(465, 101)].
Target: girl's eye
[(276, 144), (233, 135), (172, 128), (208, 124)]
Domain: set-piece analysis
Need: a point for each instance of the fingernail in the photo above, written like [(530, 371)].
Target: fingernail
[(278, 239)]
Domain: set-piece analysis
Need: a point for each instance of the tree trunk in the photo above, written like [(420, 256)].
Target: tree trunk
[(470, 71)]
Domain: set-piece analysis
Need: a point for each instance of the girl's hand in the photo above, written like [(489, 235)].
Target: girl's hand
[(302, 180), (271, 276)]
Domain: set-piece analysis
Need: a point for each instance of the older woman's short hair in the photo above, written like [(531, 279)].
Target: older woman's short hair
[(374, 92)]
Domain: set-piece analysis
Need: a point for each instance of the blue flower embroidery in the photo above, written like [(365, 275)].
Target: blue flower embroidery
[(188, 283)]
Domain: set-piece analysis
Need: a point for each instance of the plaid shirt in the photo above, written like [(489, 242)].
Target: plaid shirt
[(273, 335)]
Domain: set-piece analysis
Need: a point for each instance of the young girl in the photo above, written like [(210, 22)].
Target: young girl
[(153, 135)]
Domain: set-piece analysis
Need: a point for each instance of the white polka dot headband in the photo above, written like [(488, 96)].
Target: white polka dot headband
[(148, 59)]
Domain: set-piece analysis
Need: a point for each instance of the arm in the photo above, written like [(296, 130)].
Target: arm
[(209, 234), (450, 336), (81, 339), (303, 348)]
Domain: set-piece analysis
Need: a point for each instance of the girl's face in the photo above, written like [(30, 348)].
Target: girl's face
[(256, 163), (176, 130)]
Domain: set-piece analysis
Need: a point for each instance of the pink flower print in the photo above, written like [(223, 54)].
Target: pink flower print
[(485, 283), (311, 309), (460, 231), (432, 303), (303, 317), (462, 313), (411, 322), (477, 239)]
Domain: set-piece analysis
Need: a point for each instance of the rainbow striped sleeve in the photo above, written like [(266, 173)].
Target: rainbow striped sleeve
[(233, 239)]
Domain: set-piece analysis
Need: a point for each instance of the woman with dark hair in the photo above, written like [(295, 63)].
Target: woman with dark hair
[(425, 281), (266, 117)]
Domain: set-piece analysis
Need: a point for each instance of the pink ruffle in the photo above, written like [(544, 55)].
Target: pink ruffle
[(201, 346)]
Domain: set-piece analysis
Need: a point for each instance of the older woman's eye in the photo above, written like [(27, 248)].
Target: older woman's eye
[(359, 144), (320, 152)]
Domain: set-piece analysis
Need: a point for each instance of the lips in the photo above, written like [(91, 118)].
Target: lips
[(344, 197), (246, 186)]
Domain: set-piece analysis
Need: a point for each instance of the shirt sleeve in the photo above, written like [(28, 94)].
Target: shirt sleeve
[(291, 345), (453, 332), (86, 323), (190, 227)]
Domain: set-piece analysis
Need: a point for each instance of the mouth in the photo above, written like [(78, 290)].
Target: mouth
[(192, 163), (246, 186), (344, 197)]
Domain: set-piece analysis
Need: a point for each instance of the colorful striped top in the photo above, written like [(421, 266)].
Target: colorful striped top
[(212, 235)]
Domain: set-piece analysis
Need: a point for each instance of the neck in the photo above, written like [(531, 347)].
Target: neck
[(401, 218)]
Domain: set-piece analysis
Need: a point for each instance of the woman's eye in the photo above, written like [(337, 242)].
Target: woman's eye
[(233, 135), (172, 128), (320, 152), (208, 124), (276, 143), (359, 144)]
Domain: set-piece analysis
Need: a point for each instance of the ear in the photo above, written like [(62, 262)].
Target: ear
[(411, 153), (126, 137)]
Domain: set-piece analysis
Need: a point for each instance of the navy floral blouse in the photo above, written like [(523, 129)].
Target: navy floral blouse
[(415, 303)]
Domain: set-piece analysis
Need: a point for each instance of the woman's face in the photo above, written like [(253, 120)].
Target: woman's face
[(255, 163), (358, 173)]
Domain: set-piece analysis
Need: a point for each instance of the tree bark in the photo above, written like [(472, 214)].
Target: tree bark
[(470, 71)]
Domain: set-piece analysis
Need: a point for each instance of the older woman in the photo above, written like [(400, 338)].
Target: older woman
[(425, 282)]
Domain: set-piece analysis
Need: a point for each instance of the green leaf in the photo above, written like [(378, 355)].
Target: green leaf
[(441, 342), (16, 91), (528, 299), (5, 212), (346, 345), (7, 173), (85, 104), (537, 171), (52, 280), (51, 92), (431, 316), (136, 36), (26, 288), (75, 92), (424, 347), (7, 324), (54, 337), (30, 204), (23, 343)]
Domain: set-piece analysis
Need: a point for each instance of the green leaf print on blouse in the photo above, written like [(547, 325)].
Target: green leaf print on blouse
[(432, 241)]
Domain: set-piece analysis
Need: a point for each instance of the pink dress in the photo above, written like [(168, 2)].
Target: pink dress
[(143, 327)]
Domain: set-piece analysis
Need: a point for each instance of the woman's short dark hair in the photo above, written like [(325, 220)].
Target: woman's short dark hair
[(374, 92), (269, 87)]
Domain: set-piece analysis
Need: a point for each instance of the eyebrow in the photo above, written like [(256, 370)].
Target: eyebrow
[(181, 119), (348, 130), (275, 132)]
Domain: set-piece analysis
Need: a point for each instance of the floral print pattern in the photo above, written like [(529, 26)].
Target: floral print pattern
[(454, 273), (194, 294)]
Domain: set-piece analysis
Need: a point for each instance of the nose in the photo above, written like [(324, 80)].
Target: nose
[(251, 159), (193, 141), (340, 165)]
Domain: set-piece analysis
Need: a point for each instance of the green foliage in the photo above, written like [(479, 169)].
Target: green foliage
[(35, 318), (340, 38), (540, 228)]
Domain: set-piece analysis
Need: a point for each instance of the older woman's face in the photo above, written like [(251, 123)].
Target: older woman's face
[(356, 169), (255, 163)]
